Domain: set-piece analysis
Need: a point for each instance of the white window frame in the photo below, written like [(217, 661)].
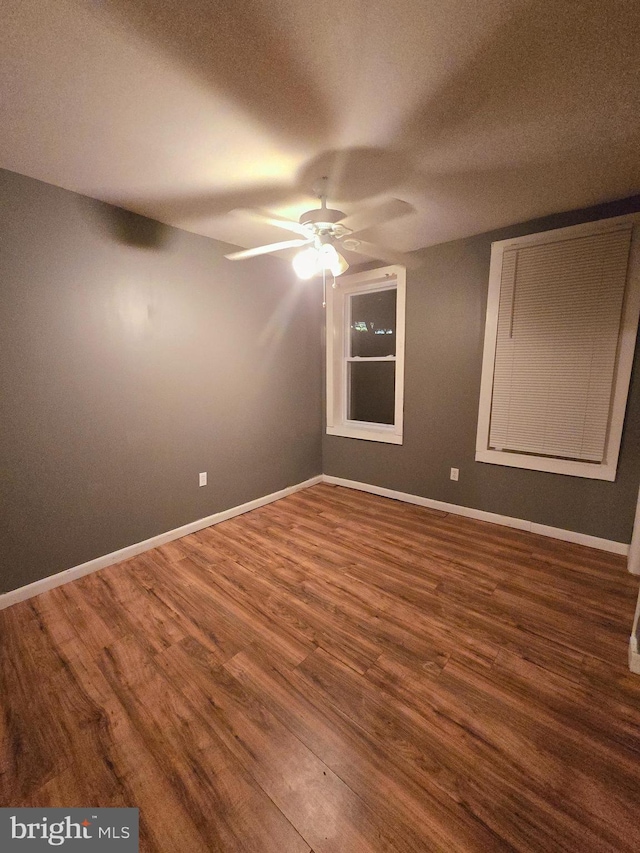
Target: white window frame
[(338, 322), (606, 470)]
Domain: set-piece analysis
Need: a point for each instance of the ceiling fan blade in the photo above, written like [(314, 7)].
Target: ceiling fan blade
[(264, 250), (369, 216), (278, 221), (381, 253)]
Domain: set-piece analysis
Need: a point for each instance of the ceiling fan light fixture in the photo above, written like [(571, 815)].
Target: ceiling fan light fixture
[(340, 266), (332, 260), (306, 263), (313, 260)]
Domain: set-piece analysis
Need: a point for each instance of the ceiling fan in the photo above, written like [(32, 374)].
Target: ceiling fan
[(322, 232)]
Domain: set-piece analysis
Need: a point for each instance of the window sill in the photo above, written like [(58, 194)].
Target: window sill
[(590, 470), (388, 435)]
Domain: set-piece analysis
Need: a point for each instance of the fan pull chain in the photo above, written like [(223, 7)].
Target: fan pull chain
[(324, 287)]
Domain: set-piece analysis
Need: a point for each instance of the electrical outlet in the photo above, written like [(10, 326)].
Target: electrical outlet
[(202, 479), (455, 473)]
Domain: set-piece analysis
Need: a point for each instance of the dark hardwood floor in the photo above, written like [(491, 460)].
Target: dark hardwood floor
[(340, 673)]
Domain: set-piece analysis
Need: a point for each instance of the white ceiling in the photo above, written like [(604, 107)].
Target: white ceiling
[(480, 114)]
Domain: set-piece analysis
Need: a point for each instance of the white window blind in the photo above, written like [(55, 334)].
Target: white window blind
[(559, 318)]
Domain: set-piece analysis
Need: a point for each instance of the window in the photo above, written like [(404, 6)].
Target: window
[(365, 355), (562, 317)]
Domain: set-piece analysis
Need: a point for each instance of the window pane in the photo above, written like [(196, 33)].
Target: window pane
[(373, 323), (372, 389)]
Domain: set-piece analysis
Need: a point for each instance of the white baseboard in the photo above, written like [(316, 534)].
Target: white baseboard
[(482, 515), (38, 587)]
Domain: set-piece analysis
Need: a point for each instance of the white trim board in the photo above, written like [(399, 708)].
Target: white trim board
[(60, 578), (634, 655), (482, 515), (634, 652), (634, 548)]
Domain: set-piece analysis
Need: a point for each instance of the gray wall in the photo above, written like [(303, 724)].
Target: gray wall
[(446, 304), (127, 370), (129, 367)]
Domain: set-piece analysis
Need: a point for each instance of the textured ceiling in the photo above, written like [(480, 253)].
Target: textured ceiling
[(480, 114)]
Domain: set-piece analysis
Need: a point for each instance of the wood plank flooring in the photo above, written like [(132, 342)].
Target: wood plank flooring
[(337, 673)]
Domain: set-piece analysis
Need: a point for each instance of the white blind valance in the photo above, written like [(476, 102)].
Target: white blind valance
[(559, 319)]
